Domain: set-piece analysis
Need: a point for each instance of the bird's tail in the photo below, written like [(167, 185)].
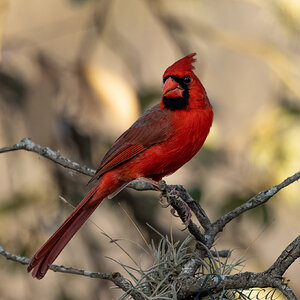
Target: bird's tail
[(46, 255)]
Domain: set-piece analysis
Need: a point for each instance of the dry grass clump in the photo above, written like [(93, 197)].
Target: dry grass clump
[(163, 279)]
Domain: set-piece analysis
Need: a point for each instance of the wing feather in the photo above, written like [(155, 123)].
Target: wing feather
[(150, 129)]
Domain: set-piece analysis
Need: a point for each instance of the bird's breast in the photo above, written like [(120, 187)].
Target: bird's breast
[(189, 129)]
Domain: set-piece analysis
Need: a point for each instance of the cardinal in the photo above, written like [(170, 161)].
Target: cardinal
[(163, 139)]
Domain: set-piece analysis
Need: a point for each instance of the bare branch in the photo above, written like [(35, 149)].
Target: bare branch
[(141, 185), (255, 201), (28, 145), (20, 259), (286, 258), (211, 230), (116, 277), (272, 277)]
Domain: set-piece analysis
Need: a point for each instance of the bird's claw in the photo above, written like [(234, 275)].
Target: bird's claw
[(174, 193), (165, 194), (188, 215), (173, 212), (161, 201)]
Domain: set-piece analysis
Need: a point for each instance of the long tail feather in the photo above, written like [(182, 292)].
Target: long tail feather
[(46, 255)]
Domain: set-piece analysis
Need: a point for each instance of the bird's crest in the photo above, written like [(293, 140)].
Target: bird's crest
[(182, 65)]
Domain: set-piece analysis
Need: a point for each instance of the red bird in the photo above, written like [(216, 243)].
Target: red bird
[(163, 139)]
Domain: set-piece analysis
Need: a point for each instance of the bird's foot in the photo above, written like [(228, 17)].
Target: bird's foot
[(168, 194), (187, 214), (149, 180), (161, 201)]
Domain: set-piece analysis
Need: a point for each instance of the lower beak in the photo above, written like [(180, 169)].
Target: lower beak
[(172, 89)]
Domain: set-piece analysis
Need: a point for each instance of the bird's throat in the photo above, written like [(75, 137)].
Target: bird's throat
[(177, 103)]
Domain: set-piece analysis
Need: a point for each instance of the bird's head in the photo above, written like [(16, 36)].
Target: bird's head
[(182, 89)]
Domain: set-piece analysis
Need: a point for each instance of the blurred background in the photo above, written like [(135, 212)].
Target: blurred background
[(75, 74)]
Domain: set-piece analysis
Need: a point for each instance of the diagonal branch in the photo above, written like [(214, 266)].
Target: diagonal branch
[(255, 201), (286, 258)]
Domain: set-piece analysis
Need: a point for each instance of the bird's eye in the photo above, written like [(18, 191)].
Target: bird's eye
[(187, 79)]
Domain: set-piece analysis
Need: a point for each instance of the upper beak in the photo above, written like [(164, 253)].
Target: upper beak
[(172, 88)]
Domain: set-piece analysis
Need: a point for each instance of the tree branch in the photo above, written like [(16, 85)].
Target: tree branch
[(255, 201), (272, 277), (116, 277), (286, 258), (28, 145)]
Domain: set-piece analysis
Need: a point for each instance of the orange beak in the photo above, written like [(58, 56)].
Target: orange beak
[(172, 89)]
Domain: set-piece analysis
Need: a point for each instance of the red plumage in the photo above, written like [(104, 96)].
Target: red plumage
[(163, 139)]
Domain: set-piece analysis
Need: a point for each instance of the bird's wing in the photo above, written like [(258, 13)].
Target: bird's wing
[(152, 128)]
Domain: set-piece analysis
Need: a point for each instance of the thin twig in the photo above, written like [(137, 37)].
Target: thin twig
[(137, 229), (114, 241)]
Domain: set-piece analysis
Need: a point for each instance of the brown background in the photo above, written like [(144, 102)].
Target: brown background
[(75, 74)]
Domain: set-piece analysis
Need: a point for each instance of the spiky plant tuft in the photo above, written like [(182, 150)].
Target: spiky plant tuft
[(163, 279)]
